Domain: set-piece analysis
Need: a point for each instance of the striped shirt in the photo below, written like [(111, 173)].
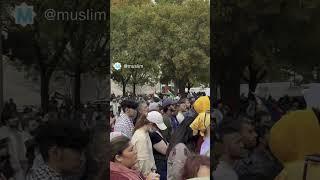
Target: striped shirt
[(124, 125)]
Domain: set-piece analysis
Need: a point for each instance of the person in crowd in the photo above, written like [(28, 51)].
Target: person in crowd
[(202, 124), (293, 140), (249, 138), (184, 142), (174, 121), (202, 108), (6, 170), (114, 105), (12, 106), (188, 104), (124, 123), (196, 166), (31, 148), (191, 113), (181, 109), (181, 146), (17, 150), (218, 113), (264, 165), (123, 160), (112, 121), (167, 106), (232, 147), (159, 143), (170, 104), (143, 110), (142, 144), (61, 146)]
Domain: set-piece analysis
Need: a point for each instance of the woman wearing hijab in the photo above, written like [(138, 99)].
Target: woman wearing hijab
[(201, 125), (293, 140), (123, 159), (184, 141)]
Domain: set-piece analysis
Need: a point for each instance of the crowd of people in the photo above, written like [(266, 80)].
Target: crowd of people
[(163, 137), (160, 137), (170, 138), (267, 139), (57, 145)]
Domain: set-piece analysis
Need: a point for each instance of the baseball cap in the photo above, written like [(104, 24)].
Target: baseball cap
[(156, 117), (168, 102)]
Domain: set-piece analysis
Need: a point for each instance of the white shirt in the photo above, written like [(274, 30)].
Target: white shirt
[(180, 117), (143, 146)]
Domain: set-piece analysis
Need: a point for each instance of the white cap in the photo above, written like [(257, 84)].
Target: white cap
[(156, 117)]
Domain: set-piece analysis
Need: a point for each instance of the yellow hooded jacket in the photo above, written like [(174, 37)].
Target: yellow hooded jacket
[(202, 121), (292, 138)]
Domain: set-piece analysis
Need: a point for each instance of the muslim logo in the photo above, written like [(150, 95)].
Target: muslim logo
[(117, 66), (24, 14)]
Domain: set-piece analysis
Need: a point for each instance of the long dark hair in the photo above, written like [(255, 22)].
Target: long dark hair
[(139, 115), (183, 134), (141, 122)]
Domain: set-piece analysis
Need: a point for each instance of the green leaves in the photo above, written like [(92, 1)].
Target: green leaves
[(173, 38)]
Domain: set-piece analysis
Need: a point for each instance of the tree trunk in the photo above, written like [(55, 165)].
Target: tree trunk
[(256, 75), (214, 79), (230, 90), (134, 88), (77, 88), (253, 85), (189, 86), (181, 87), (124, 84), (229, 81), (45, 82), (176, 86), (214, 90)]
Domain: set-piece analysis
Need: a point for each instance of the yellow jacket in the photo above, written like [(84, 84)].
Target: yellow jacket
[(202, 121), (292, 138)]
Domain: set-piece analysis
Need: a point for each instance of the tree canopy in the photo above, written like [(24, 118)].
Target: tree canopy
[(169, 38), (270, 33)]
